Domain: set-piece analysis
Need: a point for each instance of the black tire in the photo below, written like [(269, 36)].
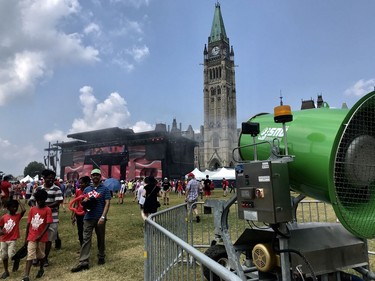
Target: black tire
[(218, 254)]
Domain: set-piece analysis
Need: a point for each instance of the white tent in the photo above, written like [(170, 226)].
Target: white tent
[(27, 178), (209, 173), (228, 174), (198, 174)]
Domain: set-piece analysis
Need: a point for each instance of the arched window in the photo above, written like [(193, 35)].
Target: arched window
[(215, 141)]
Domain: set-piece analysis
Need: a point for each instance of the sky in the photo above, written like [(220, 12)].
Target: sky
[(70, 66)]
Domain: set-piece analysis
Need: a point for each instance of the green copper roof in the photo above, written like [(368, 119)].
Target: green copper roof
[(217, 29)]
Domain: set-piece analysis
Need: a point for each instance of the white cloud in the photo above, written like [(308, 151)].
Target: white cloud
[(123, 63), (14, 158), (361, 88), (92, 28), (136, 54), (41, 15), (36, 44), (126, 27), (4, 143), (112, 112), (139, 53), (55, 135), (19, 75), (134, 3), (142, 126)]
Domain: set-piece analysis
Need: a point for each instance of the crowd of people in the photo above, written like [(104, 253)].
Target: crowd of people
[(45, 199), (88, 199)]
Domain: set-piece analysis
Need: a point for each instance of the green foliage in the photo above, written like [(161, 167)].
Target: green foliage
[(34, 168)]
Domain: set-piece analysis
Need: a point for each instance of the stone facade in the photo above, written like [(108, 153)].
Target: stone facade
[(220, 134)]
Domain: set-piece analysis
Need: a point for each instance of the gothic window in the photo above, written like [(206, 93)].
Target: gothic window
[(218, 91), (210, 71), (215, 141)]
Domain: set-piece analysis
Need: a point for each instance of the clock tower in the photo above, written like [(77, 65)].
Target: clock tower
[(219, 91)]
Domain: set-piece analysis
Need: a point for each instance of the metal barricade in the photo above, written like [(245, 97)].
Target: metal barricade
[(314, 211), (168, 256), (174, 241)]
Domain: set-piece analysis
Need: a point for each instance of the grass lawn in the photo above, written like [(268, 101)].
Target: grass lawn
[(124, 246)]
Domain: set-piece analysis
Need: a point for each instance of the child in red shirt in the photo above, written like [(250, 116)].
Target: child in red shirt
[(10, 232), (38, 221)]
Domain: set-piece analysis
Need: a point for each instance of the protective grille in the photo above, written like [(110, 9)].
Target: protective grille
[(354, 172)]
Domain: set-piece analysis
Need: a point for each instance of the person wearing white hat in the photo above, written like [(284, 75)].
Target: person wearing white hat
[(121, 193)]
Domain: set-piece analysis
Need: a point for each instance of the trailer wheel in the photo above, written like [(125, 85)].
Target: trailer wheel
[(218, 254)]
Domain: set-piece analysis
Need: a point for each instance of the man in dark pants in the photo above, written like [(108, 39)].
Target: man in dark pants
[(96, 202)]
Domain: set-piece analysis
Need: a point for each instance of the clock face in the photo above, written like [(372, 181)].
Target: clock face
[(215, 50)]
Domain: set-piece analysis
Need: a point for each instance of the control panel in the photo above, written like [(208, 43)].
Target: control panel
[(263, 191)]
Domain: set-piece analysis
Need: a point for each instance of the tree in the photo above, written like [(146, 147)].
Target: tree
[(34, 168)]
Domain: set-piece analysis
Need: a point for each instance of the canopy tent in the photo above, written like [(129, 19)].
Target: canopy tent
[(27, 178), (209, 173), (198, 174), (228, 174)]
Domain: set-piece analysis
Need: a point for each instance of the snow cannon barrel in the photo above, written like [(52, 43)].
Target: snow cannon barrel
[(334, 158)]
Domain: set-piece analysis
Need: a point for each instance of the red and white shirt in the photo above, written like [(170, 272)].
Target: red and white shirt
[(38, 218), (10, 225)]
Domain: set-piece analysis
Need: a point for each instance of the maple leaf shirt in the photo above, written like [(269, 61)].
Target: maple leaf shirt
[(38, 219), (10, 225)]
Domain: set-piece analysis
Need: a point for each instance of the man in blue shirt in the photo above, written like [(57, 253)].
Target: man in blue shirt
[(96, 202)]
